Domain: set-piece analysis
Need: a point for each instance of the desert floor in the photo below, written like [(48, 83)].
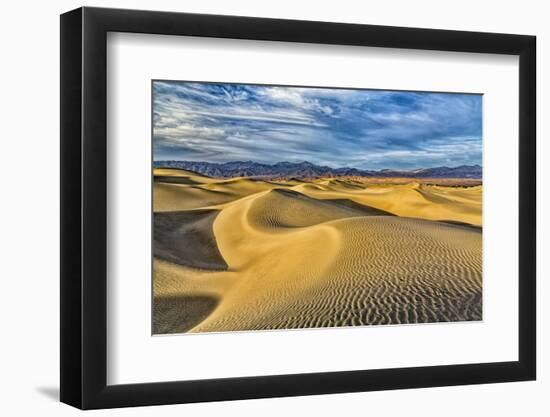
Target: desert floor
[(246, 254)]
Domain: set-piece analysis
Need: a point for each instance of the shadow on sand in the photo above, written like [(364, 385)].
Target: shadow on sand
[(180, 313)]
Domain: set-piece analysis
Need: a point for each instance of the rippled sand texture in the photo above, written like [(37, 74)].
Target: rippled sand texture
[(245, 254)]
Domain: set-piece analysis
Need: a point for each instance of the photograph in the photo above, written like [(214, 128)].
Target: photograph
[(291, 207)]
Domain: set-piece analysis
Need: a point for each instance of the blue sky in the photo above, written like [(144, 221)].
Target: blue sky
[(366, 129)]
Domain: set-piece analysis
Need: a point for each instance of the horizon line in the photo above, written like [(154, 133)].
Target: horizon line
[(317, 165)]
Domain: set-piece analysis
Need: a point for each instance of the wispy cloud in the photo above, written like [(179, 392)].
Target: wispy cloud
[(336, 127)]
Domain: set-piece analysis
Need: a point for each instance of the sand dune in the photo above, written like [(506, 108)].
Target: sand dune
[(411, 200), (332, 252), (281, 208)]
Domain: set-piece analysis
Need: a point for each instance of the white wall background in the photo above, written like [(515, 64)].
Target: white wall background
[(29, 237)]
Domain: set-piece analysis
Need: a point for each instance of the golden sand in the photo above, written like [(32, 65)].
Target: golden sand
[(243, 254)]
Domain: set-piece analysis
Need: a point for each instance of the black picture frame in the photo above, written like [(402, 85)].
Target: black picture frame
[(84, 207)]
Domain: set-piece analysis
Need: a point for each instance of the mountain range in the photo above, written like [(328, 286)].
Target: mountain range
[(308, 170)]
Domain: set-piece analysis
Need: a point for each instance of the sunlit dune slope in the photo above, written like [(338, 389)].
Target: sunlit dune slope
[(180, 190), (281, 208), (409, 200)]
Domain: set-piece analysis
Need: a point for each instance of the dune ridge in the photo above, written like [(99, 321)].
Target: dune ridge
[(315, 254)]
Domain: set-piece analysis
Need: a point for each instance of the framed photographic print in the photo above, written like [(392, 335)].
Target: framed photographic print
[(258, 207)]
